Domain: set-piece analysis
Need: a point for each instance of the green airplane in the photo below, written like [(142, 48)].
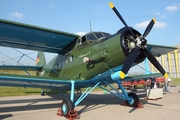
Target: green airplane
[(96, 59)]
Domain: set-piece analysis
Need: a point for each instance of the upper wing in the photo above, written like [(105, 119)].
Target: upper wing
[(158, 50), (18, 35)]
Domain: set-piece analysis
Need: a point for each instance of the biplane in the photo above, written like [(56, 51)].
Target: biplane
[(96, 59)]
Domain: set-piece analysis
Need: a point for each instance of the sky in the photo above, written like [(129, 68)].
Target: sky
[(74, 16)]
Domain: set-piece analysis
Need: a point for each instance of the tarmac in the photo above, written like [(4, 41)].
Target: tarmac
[(97, 106)]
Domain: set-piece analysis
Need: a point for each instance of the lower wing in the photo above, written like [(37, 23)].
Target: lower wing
[(55, 83)]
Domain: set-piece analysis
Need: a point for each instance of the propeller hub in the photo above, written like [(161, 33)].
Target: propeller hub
[(132, 45), (141, 42), (129, 43)]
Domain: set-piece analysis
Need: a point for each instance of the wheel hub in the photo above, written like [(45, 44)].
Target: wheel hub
[(64, 108)]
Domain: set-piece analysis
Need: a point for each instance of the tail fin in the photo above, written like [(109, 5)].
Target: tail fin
[(40, 60)]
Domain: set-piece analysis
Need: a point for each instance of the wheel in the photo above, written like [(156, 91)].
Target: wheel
[(66, 106), (42, 92), (135, 100)]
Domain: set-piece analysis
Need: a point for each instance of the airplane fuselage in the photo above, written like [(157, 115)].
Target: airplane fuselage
[(91, 59), (93, 54)]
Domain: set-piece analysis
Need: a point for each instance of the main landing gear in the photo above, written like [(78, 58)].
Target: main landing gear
[(67, 107), (130, 99), (67, 110), (135, 101)]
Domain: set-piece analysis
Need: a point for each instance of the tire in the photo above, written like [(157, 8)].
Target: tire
[(66, 106), (135, 100), (42, 92)]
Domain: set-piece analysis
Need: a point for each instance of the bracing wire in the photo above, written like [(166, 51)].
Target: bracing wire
[(27, 55)]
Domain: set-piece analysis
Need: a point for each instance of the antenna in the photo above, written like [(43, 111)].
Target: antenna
[(90, 25)]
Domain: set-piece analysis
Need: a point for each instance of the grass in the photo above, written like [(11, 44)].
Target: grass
[(17, 91), (176, 81), (21, 91)]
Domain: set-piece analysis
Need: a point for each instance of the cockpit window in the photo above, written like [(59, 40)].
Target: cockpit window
[(91, 37), (99, 35), (83, 39), (106, 34)]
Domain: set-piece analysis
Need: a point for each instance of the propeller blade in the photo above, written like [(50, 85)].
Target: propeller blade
[(120, 17), (129, 62), (154, 61), (149, 27)]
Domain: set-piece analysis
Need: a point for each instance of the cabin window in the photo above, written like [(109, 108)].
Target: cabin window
[(56, 66), (71, 58)]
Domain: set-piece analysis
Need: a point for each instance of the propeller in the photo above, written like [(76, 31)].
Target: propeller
[(149, 27), (140, 42), (120, 17), (154, 61)]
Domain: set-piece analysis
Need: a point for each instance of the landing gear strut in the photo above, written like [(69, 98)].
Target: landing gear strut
[(67, 107)]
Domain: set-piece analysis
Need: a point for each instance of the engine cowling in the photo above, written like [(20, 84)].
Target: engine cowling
[(127, 45)]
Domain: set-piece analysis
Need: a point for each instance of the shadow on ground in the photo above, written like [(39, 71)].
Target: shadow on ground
[(91, 102)]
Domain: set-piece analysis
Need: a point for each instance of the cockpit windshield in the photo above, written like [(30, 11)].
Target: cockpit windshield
[(93, 36), (99, 35)]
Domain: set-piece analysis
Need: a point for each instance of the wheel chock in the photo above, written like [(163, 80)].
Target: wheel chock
[(72, 114), (138, 104), (124, 103), (59, 112)]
